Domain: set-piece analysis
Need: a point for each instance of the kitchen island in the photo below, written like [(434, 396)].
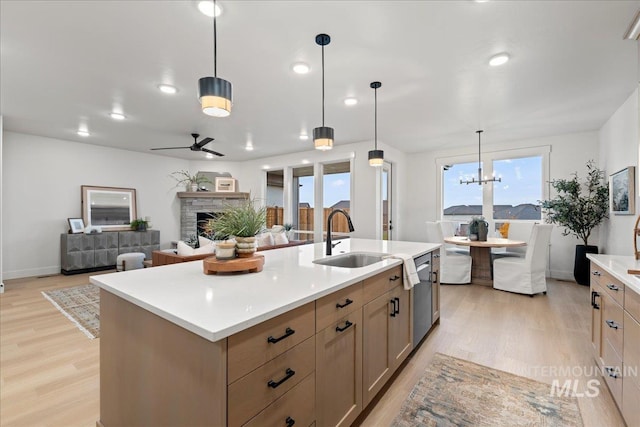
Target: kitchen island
[(179, 347)]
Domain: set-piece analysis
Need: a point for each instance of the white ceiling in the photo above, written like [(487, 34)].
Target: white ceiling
[(69, 63)]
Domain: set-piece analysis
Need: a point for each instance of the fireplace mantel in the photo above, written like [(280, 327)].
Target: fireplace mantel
[(211, 195)]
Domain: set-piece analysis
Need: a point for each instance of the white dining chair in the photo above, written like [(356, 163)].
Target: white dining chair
[(455, 268), (448, 230), (517, 231), (525, 275)]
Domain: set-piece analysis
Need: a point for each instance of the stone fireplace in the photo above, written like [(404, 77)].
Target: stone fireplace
[(203, 202)]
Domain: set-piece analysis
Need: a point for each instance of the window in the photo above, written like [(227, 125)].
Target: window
[(523, 173), (275, 197), (336, 194), (303, 198)]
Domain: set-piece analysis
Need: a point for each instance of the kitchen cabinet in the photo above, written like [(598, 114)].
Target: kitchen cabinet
[(339, 371), (387, 338), (615, 336), (435, 286)]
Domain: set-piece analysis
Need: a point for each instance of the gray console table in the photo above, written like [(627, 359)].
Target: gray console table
[(81, 253)]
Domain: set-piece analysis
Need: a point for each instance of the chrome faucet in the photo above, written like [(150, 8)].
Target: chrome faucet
[(329, 218)]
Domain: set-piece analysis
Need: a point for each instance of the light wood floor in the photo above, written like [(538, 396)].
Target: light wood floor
[(49, 370)]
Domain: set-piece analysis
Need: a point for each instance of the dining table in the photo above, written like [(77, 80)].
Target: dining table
[(480, 251)]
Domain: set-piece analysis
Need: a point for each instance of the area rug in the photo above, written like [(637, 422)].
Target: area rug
[(455, 392), (81, 305)]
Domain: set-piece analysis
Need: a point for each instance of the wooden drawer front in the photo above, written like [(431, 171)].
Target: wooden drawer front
[(381, 283), (596, 274), (612, 287), (612, 324), (338, 304), (632, 350), (297, 406), (255, 391), (612, 372), (632, 304), (257, 345), (630, 406)]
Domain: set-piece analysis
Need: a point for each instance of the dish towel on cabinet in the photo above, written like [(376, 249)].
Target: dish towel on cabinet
[(409, 268)]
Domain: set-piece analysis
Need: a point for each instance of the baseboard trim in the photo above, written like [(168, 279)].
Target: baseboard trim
[(31, 272)]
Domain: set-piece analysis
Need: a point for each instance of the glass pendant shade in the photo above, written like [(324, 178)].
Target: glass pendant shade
[(215, 96), (376, 158), (323, 138)]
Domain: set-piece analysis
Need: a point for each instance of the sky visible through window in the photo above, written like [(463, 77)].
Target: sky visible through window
[(521, 183), (336, 187)]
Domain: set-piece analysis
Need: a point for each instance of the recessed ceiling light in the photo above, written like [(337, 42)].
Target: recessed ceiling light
[(481, 1), (206, 7), (167, 88), (305, 162), (304, 137), (209, 156), (300, 68), (499, 59), (83, 133), (350, 101), (117, 116), (265, 167)]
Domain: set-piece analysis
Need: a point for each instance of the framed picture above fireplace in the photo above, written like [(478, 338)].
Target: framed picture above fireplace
[(225, 185), (110, 208)]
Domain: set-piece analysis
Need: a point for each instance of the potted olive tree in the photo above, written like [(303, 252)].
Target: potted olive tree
[(243, 222), (579, 207)]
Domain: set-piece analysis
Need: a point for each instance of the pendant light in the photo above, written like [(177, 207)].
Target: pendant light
[(480, 180), (323, 136), (214, 92), (376, 157)]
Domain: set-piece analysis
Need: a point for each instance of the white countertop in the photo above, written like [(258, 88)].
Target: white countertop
[(216, 306), (618, 265)]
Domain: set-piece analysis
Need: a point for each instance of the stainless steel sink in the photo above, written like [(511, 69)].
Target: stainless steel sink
[(351, 259)]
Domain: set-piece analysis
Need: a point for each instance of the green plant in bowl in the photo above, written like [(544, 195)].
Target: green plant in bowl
[(139, 224), (244, 220)]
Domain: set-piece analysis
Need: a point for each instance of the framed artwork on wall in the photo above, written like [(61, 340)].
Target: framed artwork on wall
[(622, 193), (225, 185), (76, 225), (110, 208)]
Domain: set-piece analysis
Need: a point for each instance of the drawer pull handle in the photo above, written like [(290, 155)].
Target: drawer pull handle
[(394, 278), (287, 333), (612, 372), (597, 273), (594, 304), (393, 307), (397, 304), (612, 324), (289, 373), (436, 255), (289, 421), (346, 303), (613, 287), (347, 324)]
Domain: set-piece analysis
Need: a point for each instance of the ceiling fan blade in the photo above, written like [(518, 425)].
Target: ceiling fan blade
[(168, 148), (213, 152), (204, 142)]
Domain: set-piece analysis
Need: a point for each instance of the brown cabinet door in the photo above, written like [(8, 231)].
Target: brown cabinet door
[(400, 333), (339, 371), (596, 321), (435, 295), (376, 360)]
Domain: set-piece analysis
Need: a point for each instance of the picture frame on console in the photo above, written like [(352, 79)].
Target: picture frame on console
[(225, 185), (110, 208), (622, 192), (76, 225)]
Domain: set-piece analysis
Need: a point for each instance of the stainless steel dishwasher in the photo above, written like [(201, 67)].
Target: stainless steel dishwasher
[(422, 310)]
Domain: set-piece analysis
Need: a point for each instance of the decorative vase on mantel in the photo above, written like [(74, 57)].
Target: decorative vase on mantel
[(245, 246), (193, 187)]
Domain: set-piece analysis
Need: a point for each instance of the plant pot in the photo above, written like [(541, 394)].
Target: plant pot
[(245, 246), (194, 187), (141, 227), (581, 265), (225, 250), (483, 230)]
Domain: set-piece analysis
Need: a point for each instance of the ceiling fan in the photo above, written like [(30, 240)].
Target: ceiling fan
[(197, 146)]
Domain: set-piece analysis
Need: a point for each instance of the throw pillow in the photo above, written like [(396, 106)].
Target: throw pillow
[(264, 239), (186, 250), (280, 238)]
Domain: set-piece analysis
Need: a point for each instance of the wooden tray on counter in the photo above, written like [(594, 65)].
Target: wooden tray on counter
[(252, 264)]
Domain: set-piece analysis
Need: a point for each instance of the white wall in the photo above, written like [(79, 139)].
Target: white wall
[(619, 149), (1, 223), (41, 189), (569, 154)]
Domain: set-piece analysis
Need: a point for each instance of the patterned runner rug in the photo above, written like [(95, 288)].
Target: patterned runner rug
[(455, 392), (81, 305)]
